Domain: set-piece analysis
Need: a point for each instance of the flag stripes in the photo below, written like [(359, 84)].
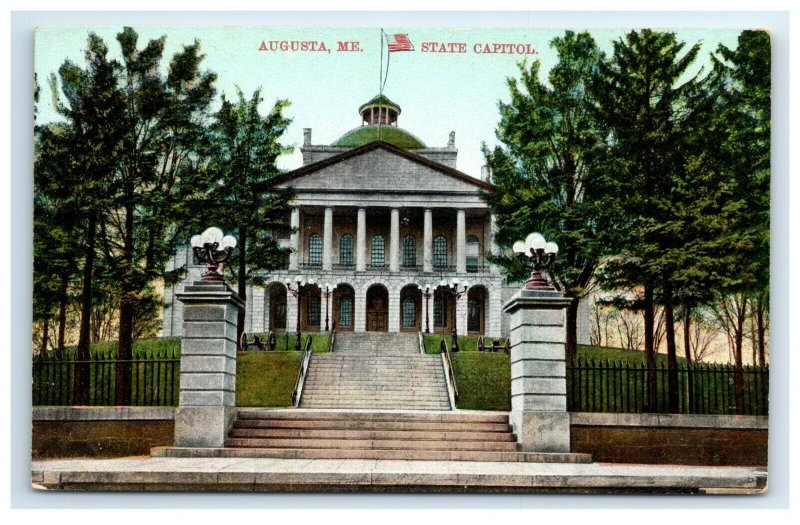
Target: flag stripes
[(399, 42)]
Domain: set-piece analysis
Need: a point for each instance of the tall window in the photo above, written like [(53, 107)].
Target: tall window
[(346, 312), (314, 312), (315, 250), (473, 253), (378, 251), (439, 252), (409, 313), (409, 251), (346, 250), (439, 311)]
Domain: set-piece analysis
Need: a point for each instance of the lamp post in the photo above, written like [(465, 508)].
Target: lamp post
[(214, 249), (300, 285), (327, 292), (538, 254), (427, 293), (457, 289)]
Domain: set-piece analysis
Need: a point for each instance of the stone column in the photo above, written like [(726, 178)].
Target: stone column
[(294, 239), (461, 242), (461, 315), (291, 312), (394, 310), (361, 240), (207, 403), (394, 241), (360, 311), (327, 240), (538, 370), (427, 242)]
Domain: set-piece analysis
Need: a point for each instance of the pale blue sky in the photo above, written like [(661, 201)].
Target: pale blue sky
[(438, 93)]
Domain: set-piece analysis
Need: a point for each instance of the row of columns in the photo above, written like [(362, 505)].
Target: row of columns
[(394, 240)]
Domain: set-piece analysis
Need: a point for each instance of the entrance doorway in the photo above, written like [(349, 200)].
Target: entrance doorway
[(476, 310), (410, 302), (377, 309), (277, 307)]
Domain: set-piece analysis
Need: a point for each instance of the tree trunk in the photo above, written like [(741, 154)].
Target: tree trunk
[(241, 280), (82, 368), (687, 350), (649, 355), (62, 312), (672, 355), (122, 382), (45, 336), (571, 348), (738, 376), (762, 329)]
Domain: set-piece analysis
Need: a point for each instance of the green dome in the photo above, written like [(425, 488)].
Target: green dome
[(366, 134)]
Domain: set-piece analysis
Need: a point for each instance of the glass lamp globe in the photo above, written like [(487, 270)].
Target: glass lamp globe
[(212, 235), (229, 241), (520, 248), (196, 241), (551, 248), (535, 241)]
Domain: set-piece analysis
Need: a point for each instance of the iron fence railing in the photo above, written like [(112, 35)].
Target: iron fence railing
[(607, 386), (155, 378)]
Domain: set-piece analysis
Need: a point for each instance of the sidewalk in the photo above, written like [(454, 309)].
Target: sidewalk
[(320, 475)]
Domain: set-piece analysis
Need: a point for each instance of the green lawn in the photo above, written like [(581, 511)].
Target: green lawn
[(285, 342), (266, 379), (483, 380)]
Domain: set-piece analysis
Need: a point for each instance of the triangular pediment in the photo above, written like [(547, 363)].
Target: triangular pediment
[(379, 167)]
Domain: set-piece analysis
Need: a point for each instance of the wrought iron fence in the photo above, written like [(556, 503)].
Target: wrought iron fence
[(607, 386), (155, 378)]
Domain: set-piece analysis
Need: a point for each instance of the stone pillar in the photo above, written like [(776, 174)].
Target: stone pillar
[(361, 240), (294, 239), (461, 242), (394, 241), (360, 311), (207, 404), (427, 242), (327, 240), (461, 315), (394, 310), (291, 312), (538, 370)]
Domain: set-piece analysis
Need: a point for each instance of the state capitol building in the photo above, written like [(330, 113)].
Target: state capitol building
[(377, 213)]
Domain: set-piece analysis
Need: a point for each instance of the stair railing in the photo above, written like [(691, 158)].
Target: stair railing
[(301, 374), (450, 375), (421, 343), (332, 338)]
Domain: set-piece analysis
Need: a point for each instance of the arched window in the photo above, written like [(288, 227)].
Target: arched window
[(439, 252), (378, 251), (409, 251), (473, 253), (315, 250), (409, 313), (346, 311), (346, 250)]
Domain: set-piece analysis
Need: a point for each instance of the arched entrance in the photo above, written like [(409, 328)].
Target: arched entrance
[(311, 309), (476, 310), (410, 309), (377, 308), (443, 316), (344, 300), (277, 307)]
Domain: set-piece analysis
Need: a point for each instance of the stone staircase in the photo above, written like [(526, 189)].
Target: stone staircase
[(375, 371), (327, 434)]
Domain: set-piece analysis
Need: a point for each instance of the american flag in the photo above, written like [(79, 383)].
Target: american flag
[(399, 43)]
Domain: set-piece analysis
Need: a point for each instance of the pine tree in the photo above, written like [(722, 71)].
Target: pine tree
[(244, 146), (544, 170)]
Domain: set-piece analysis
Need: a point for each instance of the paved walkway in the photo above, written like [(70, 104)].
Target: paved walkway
[(319, 475)]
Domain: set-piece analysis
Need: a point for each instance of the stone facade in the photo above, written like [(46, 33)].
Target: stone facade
[(377, 221)]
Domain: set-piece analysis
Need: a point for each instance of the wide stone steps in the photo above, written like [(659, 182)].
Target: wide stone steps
[(375, 371), (316, 433), (372, 434)]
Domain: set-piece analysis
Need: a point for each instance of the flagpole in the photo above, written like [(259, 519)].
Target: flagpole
[(380, 88)]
